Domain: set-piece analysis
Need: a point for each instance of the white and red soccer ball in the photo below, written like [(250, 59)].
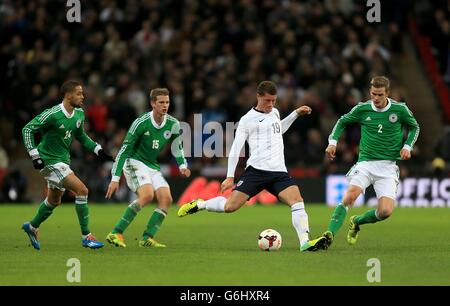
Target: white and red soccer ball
[(269, 240)]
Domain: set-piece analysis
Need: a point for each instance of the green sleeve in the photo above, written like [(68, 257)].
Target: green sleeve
[(177, 146), (84, 139), (133, 134), (350, 117), (39, 123), (413, 127)]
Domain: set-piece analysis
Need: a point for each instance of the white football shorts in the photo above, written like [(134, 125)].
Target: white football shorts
[(138, 174), (55, 174), (382, 174)]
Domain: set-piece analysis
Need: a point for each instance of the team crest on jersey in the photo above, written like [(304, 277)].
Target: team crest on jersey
[(393, 118), (167, 134), (78, 123)]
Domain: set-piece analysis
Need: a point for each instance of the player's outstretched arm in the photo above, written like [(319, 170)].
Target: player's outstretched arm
[(288, 120), (304, 110)]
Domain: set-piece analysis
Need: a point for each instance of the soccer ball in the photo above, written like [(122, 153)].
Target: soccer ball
[(269, 240)]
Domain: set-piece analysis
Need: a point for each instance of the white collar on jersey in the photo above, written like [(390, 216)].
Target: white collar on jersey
[(156, 125), (66, 113), (380, 110)]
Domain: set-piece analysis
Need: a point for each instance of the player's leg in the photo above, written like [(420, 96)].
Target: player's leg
[(138, 177), (359, 179), (218, 204), (53, 174), (385, 175), (340, 212), (248, 185), (73, 183), (47, 206), (164, 200), (292, 197), (383, 211), (145, 196), (44, 211), (236, 200)]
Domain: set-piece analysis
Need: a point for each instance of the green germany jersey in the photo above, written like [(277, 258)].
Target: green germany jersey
[(381, 129), (146, 139), (58, 128)]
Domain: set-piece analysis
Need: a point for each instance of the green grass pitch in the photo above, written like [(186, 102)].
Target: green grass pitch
[(217, 249)]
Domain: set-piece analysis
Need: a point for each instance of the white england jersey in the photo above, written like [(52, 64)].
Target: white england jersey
[(264, 134)]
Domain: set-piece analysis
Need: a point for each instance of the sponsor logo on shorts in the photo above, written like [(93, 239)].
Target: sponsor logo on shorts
[(239, 183)]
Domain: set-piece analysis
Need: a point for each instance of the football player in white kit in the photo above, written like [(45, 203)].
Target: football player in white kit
[(262, 128)]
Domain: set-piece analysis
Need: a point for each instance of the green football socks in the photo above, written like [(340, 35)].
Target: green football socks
[(337, 219), (82, 210), (128, 217), (43, 212), (154, 223), (369, 216)]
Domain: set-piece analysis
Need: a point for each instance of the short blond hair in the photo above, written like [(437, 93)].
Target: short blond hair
[(154, 93), (380, 81)]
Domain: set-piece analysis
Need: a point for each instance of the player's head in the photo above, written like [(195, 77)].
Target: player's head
[(379, 91), (159, 100), (72, 92), (266, 94)]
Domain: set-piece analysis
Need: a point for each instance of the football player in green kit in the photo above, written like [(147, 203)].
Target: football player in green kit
[(58, 126), (381, 145), (146, 138)]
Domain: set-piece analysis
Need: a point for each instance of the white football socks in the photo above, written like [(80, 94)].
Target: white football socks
[(300, 222), (216, 204)]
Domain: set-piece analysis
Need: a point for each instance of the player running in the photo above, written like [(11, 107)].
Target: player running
[(382, 120), (146, 138), (262, 128), (58, 126)]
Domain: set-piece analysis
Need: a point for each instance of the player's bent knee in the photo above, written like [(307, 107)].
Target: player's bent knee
[(169, 201), (54, 202), (230, 208), (294, 200), (349, 199), (84, 191), (384, 213), (146, 199), (165, 203)]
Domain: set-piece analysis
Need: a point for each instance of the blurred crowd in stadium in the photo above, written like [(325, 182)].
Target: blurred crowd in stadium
[(210, 54)]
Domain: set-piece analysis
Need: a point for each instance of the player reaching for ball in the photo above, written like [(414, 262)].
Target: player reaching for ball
[(262, 128), (382, 120)]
